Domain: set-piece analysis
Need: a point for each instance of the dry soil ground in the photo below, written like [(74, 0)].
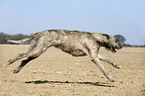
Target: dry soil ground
[(56, 73)]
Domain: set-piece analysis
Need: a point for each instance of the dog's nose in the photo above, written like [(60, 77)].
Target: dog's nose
[(119, 46)]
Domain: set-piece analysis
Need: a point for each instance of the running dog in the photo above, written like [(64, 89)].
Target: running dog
[(76, 43)]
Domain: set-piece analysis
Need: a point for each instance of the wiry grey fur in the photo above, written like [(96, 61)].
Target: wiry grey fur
[(76, 43)]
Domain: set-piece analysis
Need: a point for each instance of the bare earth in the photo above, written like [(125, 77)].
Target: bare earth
[(56, 73)]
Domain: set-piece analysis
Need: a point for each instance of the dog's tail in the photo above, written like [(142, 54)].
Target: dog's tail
[(23, 41)]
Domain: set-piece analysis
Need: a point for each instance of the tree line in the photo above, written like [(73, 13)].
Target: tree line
[(4, 37)]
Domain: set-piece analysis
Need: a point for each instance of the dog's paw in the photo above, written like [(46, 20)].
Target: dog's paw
[(110, 78), (16, 71), (10, 62), (118, 66)]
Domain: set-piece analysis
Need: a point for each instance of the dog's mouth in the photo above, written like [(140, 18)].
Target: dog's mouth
[(113, 49)]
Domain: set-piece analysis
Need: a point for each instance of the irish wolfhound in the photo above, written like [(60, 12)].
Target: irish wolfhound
[(76, 43)]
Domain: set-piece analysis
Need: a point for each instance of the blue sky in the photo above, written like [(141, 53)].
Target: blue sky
[(125, 17)]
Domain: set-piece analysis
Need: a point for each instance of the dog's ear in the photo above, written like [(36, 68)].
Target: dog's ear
[(107, 36), (102, 38)]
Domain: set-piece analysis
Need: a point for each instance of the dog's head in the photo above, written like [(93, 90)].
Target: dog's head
[(107, 41)]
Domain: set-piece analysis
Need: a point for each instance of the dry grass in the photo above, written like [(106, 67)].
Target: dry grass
[(56, 73)]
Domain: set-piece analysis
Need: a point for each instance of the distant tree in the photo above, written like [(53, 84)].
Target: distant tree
[(3, 38), (120, 39)]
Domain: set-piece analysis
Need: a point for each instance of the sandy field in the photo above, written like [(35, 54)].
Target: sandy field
[(56, 73)]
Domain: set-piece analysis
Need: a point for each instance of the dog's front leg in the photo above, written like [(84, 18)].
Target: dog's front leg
[(101, 67), (108, 60)]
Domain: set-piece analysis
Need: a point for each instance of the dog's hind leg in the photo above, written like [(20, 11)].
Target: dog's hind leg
[(33, 53), (23, 63), (34, 45), (108, 60), (23, 55), (19, 56), (36, 52)]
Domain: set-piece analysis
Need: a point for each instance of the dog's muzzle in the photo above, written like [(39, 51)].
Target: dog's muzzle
[(114, 49)]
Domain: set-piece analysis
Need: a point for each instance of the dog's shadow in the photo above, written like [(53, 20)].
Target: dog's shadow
[(68, 82)]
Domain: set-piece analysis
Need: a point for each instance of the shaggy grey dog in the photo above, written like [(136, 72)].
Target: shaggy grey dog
[(76, 43)]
